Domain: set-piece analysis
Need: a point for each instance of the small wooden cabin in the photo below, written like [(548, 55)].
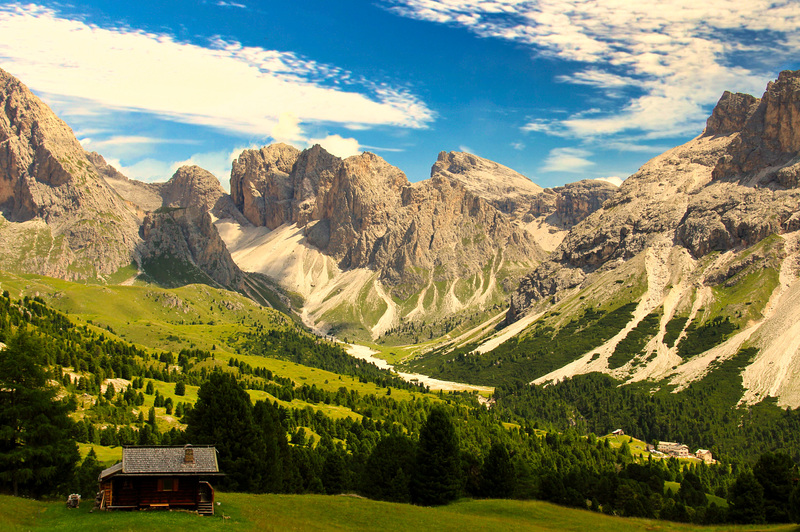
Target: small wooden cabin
[(161, 477)]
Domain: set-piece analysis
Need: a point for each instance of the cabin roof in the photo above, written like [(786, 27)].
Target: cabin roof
[(160, 460)]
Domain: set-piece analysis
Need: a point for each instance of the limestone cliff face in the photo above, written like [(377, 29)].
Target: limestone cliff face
[(363, 212), (572, 203), (261, 186), (51, 191), (182, 229), (727, 189), (767, 139)]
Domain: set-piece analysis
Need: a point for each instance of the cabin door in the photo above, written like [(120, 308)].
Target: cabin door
[(205, 492)]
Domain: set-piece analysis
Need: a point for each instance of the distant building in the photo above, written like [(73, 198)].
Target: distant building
[(618, 432), (678, 450), (161, 477), (705, 456)]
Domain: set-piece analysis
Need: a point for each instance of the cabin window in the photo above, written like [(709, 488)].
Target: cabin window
[(167, 484)]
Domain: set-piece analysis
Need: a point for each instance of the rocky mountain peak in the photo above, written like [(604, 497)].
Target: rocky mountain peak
[(46, 176), (781, 113), (192, 187), (371, 170), (769, 142), (105, 169), (731, 113), (487, 179), (725, 190), (260, 184)]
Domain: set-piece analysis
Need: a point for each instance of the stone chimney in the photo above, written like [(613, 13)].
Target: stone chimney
[(188, 454)]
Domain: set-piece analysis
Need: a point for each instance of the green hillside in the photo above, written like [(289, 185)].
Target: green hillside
[(295, 414), (315, 512)]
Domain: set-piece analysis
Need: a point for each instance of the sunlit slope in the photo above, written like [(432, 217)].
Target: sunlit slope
[(356, 303)]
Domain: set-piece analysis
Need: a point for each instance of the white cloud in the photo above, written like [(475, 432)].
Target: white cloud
[(222, 85), (147, 170), (567, 160), (614, 180), (677, 56), (539, 125), (519, 146), (337, 145), (158, 171), (287, 129), (466, 149)]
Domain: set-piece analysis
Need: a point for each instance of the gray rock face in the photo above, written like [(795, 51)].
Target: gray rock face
[(727, 189), (183, 227), (365, 213), (192, 188), (45, 175), (730, 114), (571, 203), (189, 237), (261, 186), (769, 139)]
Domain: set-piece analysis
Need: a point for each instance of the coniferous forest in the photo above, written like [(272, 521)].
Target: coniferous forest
[(275, 434)]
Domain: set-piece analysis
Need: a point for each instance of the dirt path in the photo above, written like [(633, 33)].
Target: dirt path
[(365, 353)]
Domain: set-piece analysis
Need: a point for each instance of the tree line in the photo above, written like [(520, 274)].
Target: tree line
[(428, 450)]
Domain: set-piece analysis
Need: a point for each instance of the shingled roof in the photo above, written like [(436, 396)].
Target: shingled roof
[(160, 460)]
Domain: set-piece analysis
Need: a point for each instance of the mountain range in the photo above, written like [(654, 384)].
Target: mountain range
[(689, 266)]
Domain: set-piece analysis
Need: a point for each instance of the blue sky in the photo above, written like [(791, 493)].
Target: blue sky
[(559, 90)]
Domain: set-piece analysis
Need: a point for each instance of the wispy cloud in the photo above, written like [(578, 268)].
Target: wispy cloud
[(221, 84), (231, 4), (614, 180), (567, 160), (154, 171), (676, 56)]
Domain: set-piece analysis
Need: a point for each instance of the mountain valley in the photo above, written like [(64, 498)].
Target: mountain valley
[(668, 306)]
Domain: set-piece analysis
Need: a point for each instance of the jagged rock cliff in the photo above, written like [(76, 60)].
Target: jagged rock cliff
[(59, 217), (453, 243), (701, 247), (364, 212), (729, 188), (181, 243)]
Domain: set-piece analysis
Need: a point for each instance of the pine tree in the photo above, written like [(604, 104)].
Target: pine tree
[(776, 472), (498, 475), (746, 500), (223, 416), (437, 478), (37, 452), (389, 469), (85, 481)]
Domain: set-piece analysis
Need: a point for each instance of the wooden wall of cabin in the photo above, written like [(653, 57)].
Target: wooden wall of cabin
[(148, 491)]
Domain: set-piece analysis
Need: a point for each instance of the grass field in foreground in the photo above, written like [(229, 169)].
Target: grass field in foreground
[(318, 512)]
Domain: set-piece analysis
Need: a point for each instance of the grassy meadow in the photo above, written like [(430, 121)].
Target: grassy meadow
[(319, 512)]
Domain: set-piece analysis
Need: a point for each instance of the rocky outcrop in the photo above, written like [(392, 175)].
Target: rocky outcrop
[(182, 230), (766, 148), (363, 212), (571, 203), (727, 189), (46, 176), (194, 189), (730, 114), (507, 190), (261, 186), (185, 238)]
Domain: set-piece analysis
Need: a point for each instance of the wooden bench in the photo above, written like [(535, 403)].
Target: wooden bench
[(160, 505)]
